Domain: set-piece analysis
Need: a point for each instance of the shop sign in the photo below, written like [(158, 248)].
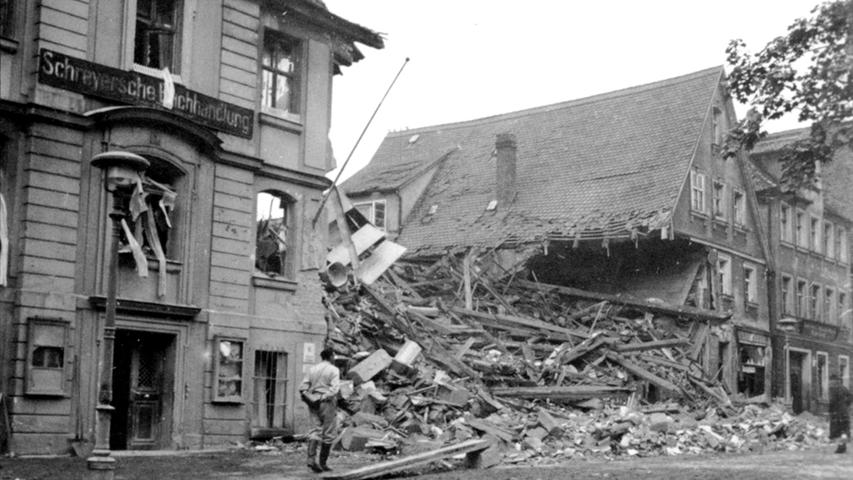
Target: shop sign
[(819, 331), (69, 73)]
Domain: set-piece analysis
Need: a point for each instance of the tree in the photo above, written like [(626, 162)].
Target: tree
[(806, 72)]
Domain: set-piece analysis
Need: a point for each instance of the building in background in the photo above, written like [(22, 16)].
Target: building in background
[(808, 231), (229, 100)]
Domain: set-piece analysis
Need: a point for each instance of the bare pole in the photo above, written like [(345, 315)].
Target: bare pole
[(363, 131)]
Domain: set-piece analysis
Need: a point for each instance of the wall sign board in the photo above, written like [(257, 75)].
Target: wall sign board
[(77, 75)]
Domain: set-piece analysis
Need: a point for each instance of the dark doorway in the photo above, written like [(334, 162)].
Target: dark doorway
[(143, 379), (799, 398)]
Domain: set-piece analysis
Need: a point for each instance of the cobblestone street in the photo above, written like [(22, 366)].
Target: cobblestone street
[(288, 464)]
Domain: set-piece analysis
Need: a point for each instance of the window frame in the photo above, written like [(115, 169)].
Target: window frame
[(801, 297), (698, 190), (7, 20), (280, 397), (828, 239), (372, 217), (738, 207), (217, 370), (842, 248), (724, 270), (177, 39), (828, 314), (844, 373), (787, 294), (786, 223), (815, 301), (815, 233), (296, 77), (750, 290), (720, 207), (287, 203), (35, 384), (841, 305), (801, 229)]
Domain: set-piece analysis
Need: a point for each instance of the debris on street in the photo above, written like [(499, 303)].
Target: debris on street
[(459, 349)]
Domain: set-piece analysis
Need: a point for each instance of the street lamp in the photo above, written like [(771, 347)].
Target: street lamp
[(787, 325), (122, 171)]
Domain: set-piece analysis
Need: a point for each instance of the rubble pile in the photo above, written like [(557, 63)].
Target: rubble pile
[(456, 350)]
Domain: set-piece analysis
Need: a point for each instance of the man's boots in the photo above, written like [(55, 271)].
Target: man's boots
[(324, 456), (312, 456)]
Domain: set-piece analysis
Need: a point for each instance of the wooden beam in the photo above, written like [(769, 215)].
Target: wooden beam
[(384, 468), (665, 308), (636, 347), (574, 392), (519, 321), (643, 373)]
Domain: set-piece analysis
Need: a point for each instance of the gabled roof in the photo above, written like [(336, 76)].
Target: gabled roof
[(611, 165)]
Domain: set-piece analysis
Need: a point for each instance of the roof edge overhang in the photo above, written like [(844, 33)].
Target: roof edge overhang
[(315, 14)]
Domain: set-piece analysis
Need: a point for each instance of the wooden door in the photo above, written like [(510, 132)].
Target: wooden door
[(146, 395)]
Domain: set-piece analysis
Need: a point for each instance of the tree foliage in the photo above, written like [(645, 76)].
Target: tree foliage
[(806, 72)]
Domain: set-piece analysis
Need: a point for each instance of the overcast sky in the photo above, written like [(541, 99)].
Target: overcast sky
[(475, 58)]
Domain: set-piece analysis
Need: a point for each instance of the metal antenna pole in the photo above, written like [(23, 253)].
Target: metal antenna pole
[(341, 170)]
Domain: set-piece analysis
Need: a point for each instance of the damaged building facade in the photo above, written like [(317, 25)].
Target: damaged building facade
[(808, 230), (621, 193), (219, 304)]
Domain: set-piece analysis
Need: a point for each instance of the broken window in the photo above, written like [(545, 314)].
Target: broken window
[(157, 30), (281, 62), (752, 365), (228, 370), (46, 352), (739, 207), (274, 234), (152, 212), (697, 191), (749, 284), (270, 399), (787, 298), (374, 212), (719, 199)]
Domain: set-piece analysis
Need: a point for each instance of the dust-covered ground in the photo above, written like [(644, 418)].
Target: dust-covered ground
[(288, 463)]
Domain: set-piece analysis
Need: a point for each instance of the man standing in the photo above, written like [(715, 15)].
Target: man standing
[(319, 389), (839, 416)]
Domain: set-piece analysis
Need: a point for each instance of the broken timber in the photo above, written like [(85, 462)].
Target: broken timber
[(472, 449), (504, 321), (568, 393), (665, 308)]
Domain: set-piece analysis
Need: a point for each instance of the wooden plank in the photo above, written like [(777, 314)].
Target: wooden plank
[(643, 373), (665, 308), (384, 468), (636, 347), (491, 429), (520, 321), (569, 393)]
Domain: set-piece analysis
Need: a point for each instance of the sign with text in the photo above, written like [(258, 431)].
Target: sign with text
[(69, 73), (819, 331)]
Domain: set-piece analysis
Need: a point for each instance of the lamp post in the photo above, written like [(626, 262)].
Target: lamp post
[(122, 171), (787, 325)]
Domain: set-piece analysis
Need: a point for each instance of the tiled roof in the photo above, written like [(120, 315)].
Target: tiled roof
[(602, 166)]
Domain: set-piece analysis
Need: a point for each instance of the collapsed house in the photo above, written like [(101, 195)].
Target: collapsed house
[(621, 193)]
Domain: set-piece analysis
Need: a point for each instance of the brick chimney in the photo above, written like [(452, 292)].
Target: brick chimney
[(506, 159)]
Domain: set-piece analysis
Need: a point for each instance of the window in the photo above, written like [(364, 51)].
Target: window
[(374, 212), (814, 234), (814, 302), (157, 34), (842, 245), (801, 230), (828, 240), (823, 375), (228, 370), (6, 18), (828, 311), (719, 199), (270, 383), (842, 307), (786, 222), (154, 214), (724, 271), (750, 287), (802, 298), (787, 298), (739, 201), (717, 127), (46, 356), (697, 191), (844, 370), (274, 236), (281, 63)]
